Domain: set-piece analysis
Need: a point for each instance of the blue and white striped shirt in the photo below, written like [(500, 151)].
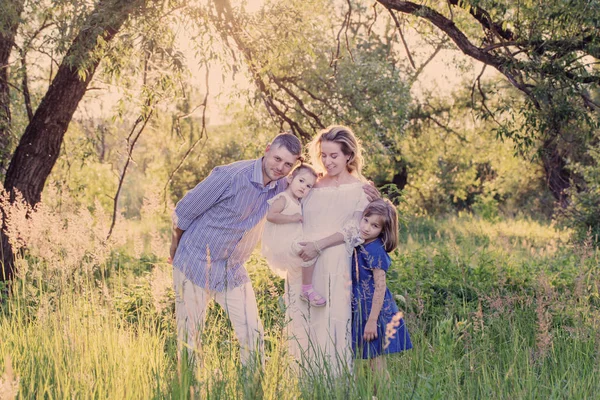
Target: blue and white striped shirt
[(223, 217)]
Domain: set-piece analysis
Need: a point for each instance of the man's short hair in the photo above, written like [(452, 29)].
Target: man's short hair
[(289, 141)]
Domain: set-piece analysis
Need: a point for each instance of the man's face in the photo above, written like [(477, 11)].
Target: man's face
[(278, 162)]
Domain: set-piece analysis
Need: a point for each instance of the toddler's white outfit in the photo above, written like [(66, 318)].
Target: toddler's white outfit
[(280, 241)]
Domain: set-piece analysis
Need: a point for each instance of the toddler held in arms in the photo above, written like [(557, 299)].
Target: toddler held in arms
[(283, 231)]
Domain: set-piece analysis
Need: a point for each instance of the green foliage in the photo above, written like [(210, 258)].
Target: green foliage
[(455, 163), (549, 54), (79, 172), (584, 206), (317, 77), (143, 63), (225, 145), (320, 69), (354, 74), (495, 309)]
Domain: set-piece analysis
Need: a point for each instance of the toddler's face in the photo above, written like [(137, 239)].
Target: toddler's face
[(370, 227), (302, 183)]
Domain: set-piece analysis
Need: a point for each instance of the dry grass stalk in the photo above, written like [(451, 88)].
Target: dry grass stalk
[(9, 382), (161, 283), (544, 299)]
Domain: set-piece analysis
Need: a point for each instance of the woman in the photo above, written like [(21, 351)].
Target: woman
[(320, 337)]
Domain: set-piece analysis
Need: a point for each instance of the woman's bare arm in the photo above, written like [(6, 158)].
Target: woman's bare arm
[(312, 249)]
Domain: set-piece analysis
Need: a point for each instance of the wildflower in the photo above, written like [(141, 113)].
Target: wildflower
[(17, 226), (151, 206), (138, 246), (391, 328), (478, 319), (160, 283), (272, 289), (157, 244)]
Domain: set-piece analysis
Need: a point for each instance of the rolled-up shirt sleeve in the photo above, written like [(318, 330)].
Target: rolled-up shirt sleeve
[(198, 200)]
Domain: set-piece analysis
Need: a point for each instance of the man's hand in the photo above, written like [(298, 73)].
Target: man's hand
[(174, 243), (172, 252), (371, 191)]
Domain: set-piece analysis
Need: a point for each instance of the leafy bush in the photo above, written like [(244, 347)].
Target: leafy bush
[(583, 212)]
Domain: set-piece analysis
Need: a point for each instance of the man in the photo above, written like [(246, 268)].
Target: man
[(216, 226)]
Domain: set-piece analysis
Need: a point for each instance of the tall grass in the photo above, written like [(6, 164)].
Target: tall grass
[(506, 309)]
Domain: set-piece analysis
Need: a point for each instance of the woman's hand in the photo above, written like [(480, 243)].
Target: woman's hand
[(370, 330), (308, 251), (371, 191)]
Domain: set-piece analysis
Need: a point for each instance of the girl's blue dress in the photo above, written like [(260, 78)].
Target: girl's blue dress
[(365, 259)]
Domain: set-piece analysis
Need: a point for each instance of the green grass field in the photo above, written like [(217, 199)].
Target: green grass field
[(503, 310)]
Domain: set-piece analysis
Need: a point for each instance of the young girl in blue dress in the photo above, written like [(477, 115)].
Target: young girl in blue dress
[(377, 325)]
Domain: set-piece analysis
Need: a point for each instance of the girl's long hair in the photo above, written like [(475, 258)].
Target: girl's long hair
[(389, 230)]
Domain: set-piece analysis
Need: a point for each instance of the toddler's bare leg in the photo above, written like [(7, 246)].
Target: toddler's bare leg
[(308, 292), (307, 275)]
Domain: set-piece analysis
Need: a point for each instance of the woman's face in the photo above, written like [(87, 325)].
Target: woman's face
[(332, 158)]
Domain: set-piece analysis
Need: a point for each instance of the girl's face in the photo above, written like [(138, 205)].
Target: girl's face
[(302, 183), (332, 158), (370, 227)]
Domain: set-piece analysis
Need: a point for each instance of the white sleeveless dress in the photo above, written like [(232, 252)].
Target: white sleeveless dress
[(278, 239), (318, 335)]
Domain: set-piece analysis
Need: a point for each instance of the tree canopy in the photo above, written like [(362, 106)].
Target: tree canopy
[(548, 52), (311, 64)]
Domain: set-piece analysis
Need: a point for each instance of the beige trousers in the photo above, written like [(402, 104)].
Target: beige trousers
[(239, 304)]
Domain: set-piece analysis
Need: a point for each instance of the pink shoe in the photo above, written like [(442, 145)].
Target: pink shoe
[(313, 298)]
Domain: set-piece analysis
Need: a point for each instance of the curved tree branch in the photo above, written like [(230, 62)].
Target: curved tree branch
[(502, 64), (131, 141), (483, 17), (228, 25), (203, 132), (25, 86), (399, 28)]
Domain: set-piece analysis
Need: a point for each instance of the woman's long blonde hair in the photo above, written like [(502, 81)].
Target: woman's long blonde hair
[(348, 142)]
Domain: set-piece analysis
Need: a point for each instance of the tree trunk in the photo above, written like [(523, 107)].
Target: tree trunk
[(400, 178), (558, 177), (9, 23), (39, 146)]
